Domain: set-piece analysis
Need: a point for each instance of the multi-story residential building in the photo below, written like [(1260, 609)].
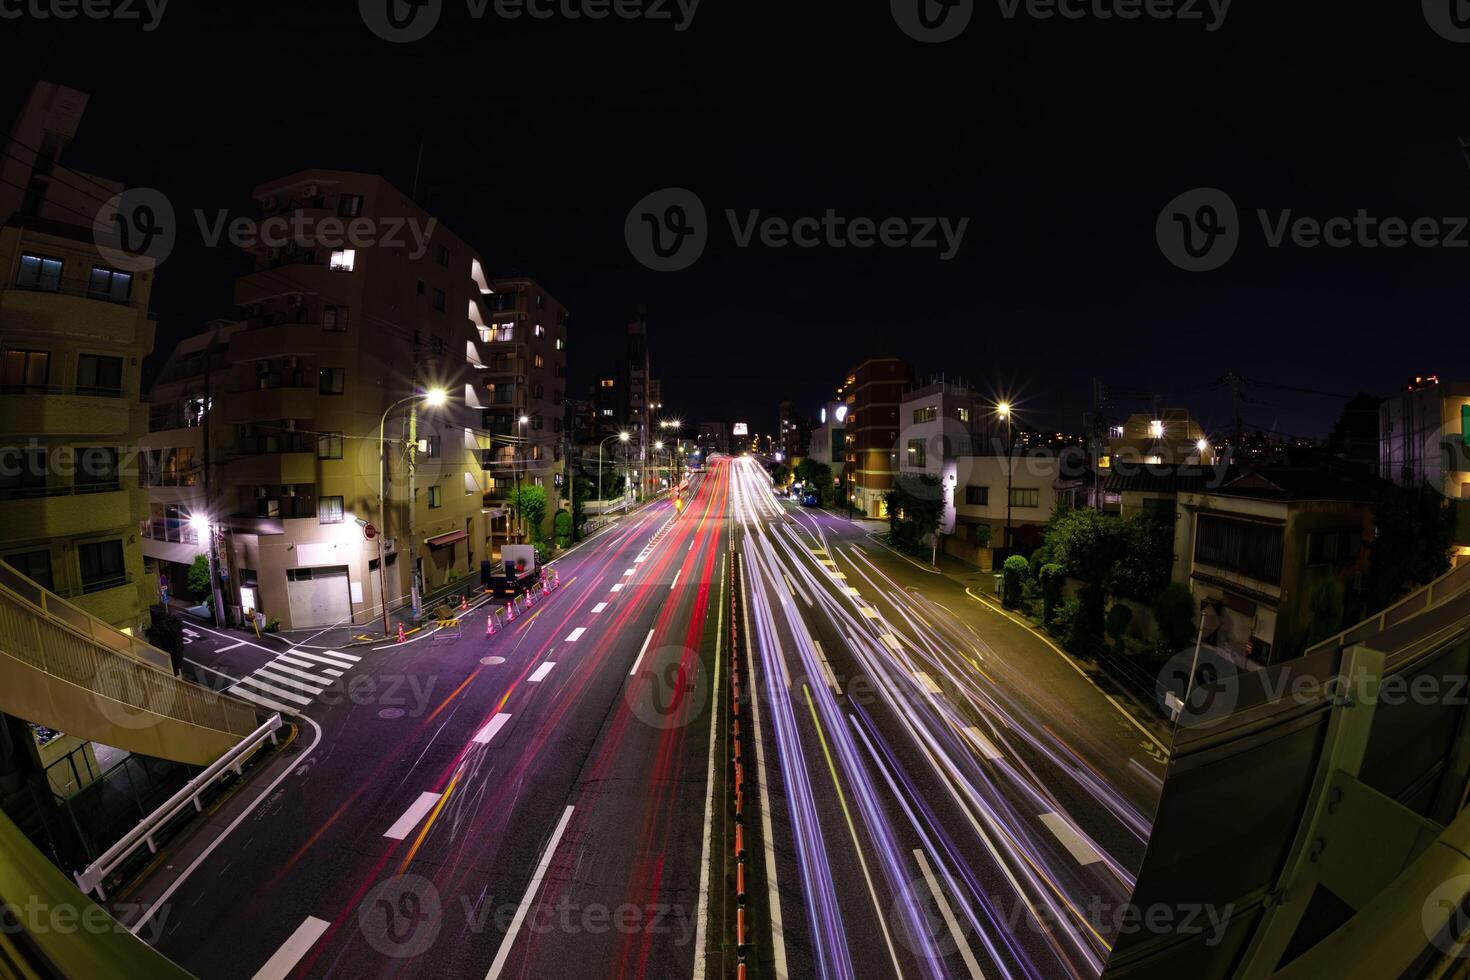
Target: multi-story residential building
[(713, 437), (173, 452), (524, 395), (1424, 438), (74, 330), (637, 400), (872, 392), (793, 431), (1172, 436), (1257, 547), (828, 442)]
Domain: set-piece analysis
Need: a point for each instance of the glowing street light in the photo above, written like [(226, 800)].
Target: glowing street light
[(433, 398), (436, 397), (200, 524)]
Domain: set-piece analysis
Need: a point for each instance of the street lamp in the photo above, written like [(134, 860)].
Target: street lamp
[(620, 437), (200, 524), (1004, 411), (521, 448), (433, 398)]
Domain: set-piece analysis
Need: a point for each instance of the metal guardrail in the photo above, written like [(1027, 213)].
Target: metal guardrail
[(90, 880), (51, 635)]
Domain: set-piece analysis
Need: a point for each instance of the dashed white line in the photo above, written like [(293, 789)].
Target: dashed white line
[(676, 578), (618, 587), (630, 571), (599, 607), (492, 727), (540, 673), (961, 940), (986, 746), (404, 825), (927, 683), (644, 649), (1078, 846), (531, 890), (286, 958), (576, 634)]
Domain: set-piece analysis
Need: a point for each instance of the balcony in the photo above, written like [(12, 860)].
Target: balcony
[(31, 409), (276, 340), (72, 303), (65, 511), (278, 468), (266, 404)]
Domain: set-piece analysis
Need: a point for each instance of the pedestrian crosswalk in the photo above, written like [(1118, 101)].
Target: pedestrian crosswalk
[(294, 679)]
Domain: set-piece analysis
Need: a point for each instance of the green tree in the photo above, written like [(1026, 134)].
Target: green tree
[(915, 509), (529, 501), (583, 488), (1146, 558), (562, 524), (1326, 605), (1174, 614), (198, 580), (1088, 545), (814, 474), (1119, 616), (780, 474), (1052, 577), (1416, 527), (1013, 576)]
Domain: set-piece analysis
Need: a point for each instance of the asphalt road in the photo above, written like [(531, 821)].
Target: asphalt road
[(529, 804), (949, 795)]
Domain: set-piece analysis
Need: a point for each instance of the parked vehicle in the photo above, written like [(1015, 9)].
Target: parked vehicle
[(517, 572), (810, 500)]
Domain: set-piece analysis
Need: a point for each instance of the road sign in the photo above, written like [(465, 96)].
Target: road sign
[(370, 530)]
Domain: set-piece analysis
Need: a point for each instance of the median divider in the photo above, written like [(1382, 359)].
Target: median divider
[(738, 798)]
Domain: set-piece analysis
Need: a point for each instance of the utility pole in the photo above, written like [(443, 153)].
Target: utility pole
[(209, 538), (413, 560), (1236, 382)]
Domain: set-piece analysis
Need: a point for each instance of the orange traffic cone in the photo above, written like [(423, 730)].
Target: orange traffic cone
[(400, 633), (510, 611), (490, 623), (464, 602)]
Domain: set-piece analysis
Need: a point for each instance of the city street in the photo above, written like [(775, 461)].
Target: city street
[(516, 805)]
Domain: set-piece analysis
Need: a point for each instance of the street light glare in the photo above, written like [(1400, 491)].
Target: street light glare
[(1202, 445), (199, 522), (622, 437), (1004, 409), (435, 397), (525, 419), (659, 444)]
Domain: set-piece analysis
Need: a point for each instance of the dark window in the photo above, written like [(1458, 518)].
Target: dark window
[(1023, 497), (439, 300), (26, 369), (97, 375), (34, 565), (329, 445), (443, 256), (1243, 547), (39, 272), (112, 285), (331, 381), (917, 454), (102, 565), (977, 496), (430, 446), (96, 469), (22, 473), (329, 510), (1160, 508), (435, 497), (334, 318), (349, 205)]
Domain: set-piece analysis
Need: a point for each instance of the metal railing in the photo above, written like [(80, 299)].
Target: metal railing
[(42, 631), (59, 490), (90, 880)]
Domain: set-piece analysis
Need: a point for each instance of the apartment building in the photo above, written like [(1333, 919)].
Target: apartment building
[(1171, 436), (74, 329), (638, 401), (1424, 438), (873, 392), (523, 399), (793, 431)]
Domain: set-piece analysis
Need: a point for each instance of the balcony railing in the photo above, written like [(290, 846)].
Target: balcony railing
[(173, 532), (87, 390), (74, 287), (59, 490)]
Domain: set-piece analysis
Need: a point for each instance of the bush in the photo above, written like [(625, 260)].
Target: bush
[(562, 525), (542, 553), (1052, 577), (1014, 572), (1174, 612), (198, 581), (1326, 604), (1063, 619), (1117, 623), (1086, 635)]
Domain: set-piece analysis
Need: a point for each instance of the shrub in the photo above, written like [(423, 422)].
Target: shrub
[(1014, 573), (1086, 635), (1174, 612), (1052, 577), (1063, 619), (198, 581), (562, 525), (1117, 623)]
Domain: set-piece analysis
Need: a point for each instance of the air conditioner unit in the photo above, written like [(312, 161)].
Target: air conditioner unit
[(311, 190)]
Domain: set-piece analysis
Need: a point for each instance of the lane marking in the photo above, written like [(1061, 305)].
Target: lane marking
[(891, 642), (630, 571), (644, 649), (351, 658), (329, 670), (531, 890), (315, 678), (827, 668), (986, 746), (618, 587), (541, 672), (702, 913), (329, 661), (284, 659), (285, 959), (413, 816), (960, 939), (264, 702), (232, 646), (852, 592), (599, 607), (492, 727), (291, 683), (640, 559), (676, 578), (1075, 843), (868, 612), (927, 683), (274, 691), (576, 634)]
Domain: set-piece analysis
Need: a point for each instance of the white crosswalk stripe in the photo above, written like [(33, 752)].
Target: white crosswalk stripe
[(293, 680)]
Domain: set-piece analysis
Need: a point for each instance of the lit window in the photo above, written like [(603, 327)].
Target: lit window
[(608, 383), (540, 330), (561, 344), (343, 259), (436, 497), (329, 510)]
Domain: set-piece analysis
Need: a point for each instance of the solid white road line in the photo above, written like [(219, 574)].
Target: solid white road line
[(283, 669), (290, 683), (986, 746), (576, 634), (411, 817), (702, 912), (599, 607), (676, 578), (264, 702), (283, 659), (280, 965), (1075, 843), (642, 650), (960, 939), (529, 897), (318, 658), (492, 726), (540, 673), (232, 646)]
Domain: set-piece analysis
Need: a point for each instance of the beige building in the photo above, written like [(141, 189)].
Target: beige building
[(1424, 438), (74, 328)]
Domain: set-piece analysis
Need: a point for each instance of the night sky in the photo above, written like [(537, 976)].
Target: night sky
[(1061, 141)]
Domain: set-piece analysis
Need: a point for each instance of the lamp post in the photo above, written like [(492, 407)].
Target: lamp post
[(1004, 410), (434, 398), (521, 449), (200, 524), (620, 437)]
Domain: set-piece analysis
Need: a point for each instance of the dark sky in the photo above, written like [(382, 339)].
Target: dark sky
[(1060, 140)]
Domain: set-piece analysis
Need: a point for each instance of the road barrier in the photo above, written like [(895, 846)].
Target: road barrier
[(737, 770)]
